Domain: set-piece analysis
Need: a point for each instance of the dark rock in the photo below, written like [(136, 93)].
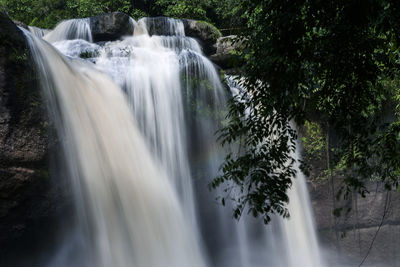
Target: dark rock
[(162, 26), (204, 32), (26, 197), (23, 135), (20, 24), (111, 26), (225, 56)]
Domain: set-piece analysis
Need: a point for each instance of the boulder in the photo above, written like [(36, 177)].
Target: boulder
[(204, 32), (163, 26), (110, 26), (225, 56)]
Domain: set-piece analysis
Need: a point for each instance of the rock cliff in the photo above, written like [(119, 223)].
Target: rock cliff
[(27, 199)]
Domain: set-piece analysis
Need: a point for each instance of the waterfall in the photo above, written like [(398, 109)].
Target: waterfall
[(296, 236), (138, 118), (128, 211), (299, 229), (38, 32), (69, 30)]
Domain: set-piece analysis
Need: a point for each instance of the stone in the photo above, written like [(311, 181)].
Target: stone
[(355, 245), (346, 239), (111, 26), (27, 201), (225, 56), (204, 32), (20, 24), (163, 26)]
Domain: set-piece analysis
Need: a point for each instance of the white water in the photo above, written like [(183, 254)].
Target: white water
[(299, 229), (128, 211), (143, 210), (38, 32), (296, 238), (69, 30)]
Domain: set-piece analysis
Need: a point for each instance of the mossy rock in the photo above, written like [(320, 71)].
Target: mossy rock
[(110, 26), (203, 31), (228, 52)]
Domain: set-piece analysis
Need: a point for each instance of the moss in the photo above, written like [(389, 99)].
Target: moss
[(314, 140), (89, 54), (214, 33)]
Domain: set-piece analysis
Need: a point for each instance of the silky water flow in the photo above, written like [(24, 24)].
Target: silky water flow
[(138, 118)]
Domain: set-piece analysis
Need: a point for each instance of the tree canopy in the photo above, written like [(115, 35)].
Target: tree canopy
[(46, 13), (335, 62)]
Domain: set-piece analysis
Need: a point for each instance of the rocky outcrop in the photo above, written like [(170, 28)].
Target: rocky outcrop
[(204, 32), (110, 26), (366, 226), (163, 26), (362, 226), (20, 24), (26, 199), (226, 48)]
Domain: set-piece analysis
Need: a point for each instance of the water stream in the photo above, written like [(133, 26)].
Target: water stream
[(137, 118)]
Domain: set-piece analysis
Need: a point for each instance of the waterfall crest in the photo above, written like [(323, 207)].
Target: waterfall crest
[(69, 30), (38, 32)]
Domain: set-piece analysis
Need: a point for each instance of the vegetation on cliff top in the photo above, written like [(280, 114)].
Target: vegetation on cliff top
[(46, 13)]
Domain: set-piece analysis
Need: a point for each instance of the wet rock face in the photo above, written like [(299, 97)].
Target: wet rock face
[(110, 26), (366, 226), (362, 226), (25, 194), (224, 56), (205, 32), (162, 26)]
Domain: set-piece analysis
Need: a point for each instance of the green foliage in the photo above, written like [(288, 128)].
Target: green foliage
[(307, 58), (314, 140), (195, 9), (46, 13), (89, 54), (220, 13)]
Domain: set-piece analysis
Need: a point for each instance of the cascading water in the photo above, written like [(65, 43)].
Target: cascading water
[(296, 236), (38, 32), (142, 210), (128, 211), (69, 30)]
